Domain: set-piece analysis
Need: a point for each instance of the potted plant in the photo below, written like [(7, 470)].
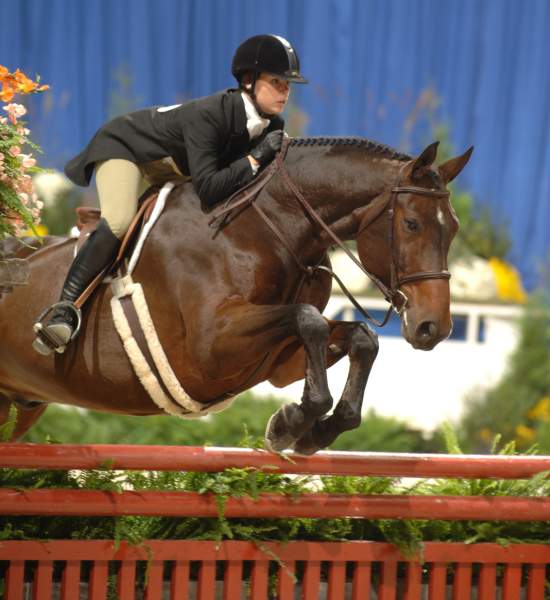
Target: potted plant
[(19, 205)]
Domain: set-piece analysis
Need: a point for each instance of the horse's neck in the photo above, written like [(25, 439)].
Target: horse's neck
[(337, 187)]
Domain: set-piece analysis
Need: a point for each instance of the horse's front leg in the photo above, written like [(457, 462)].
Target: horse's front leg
[(363, 348), (245, 332), (293, 421)]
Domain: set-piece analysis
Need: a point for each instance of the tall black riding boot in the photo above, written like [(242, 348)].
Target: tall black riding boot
[(97, 252)]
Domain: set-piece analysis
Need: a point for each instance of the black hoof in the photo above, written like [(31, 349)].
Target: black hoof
[(318, 437), (305, 446), (275, 440), (284, 427)]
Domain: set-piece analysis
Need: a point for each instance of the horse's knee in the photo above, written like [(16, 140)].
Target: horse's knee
[(364, 341), (310, 323)]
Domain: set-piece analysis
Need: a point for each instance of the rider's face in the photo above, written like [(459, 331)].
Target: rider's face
[(272, 93)]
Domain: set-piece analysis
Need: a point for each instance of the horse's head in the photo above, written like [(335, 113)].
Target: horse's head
[(404, 238)]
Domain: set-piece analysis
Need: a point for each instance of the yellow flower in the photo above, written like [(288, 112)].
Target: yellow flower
[(486, 434), (508, 281), (541, 410), (525, 434), (41, 231)]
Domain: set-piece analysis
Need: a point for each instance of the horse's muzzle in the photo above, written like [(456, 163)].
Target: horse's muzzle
[(424, 335), (427, 335)]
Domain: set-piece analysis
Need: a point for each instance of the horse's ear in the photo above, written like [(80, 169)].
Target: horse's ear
[(424, 161), (452, 167)]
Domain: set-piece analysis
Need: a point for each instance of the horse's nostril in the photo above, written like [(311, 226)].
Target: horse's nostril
[(427, 329)]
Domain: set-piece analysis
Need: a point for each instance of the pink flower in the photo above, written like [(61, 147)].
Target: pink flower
[(14, 151), (3, 120), (15, 111), (24, 198), (27, 161), (24, 184)]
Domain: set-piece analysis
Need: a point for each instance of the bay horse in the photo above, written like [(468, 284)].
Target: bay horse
[(243, 304)]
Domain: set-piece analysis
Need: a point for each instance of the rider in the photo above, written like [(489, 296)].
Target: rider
[(219, 141)]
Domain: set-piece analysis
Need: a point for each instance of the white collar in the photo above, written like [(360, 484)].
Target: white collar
[(254, 123)]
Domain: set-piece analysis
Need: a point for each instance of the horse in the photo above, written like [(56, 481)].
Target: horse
[(242, 303)]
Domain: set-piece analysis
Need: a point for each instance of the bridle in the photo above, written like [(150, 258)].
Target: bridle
[(393, 294)]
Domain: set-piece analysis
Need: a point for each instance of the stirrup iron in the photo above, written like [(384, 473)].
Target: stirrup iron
[(45, 336)]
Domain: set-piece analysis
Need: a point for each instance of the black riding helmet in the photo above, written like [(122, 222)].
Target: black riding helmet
[(270, 54)]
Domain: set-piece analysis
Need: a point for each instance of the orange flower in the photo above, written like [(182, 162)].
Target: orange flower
[(17, 83), (26, 87), (24, 84), (7, 93), (19, 75)]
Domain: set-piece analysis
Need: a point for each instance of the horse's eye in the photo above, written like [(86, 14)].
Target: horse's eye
[(412, 225)]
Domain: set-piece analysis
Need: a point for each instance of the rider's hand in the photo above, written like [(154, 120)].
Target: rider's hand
[(265, 151)]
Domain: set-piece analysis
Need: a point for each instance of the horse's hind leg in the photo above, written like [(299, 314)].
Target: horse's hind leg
[(363, 348), (28, 412)]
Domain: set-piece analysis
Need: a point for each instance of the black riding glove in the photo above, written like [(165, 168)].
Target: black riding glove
[(265, 151)]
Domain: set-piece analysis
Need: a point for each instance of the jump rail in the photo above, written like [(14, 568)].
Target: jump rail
[(185, 504), (211, 459), (197, 570)]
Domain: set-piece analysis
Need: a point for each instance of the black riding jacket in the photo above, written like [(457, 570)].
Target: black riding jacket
[(207, 138)]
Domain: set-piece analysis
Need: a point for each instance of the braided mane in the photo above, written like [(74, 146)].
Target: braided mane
[(359, 142)]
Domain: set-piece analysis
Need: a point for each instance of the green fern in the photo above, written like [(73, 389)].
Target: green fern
[(7, 429), (408, 535)]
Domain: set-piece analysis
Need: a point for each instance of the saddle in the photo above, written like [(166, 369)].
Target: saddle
[(157, 173), (87, 217)]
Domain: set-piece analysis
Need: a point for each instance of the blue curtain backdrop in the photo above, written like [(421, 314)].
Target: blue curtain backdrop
[(385, 69)]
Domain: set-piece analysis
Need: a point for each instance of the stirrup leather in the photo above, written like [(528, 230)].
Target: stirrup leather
[(50, 339)]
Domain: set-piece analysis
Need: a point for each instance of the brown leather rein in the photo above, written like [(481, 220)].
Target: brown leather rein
[(393, 294)]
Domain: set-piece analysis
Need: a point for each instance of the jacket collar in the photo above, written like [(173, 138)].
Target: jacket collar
[(255, 124), (239, 112)]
